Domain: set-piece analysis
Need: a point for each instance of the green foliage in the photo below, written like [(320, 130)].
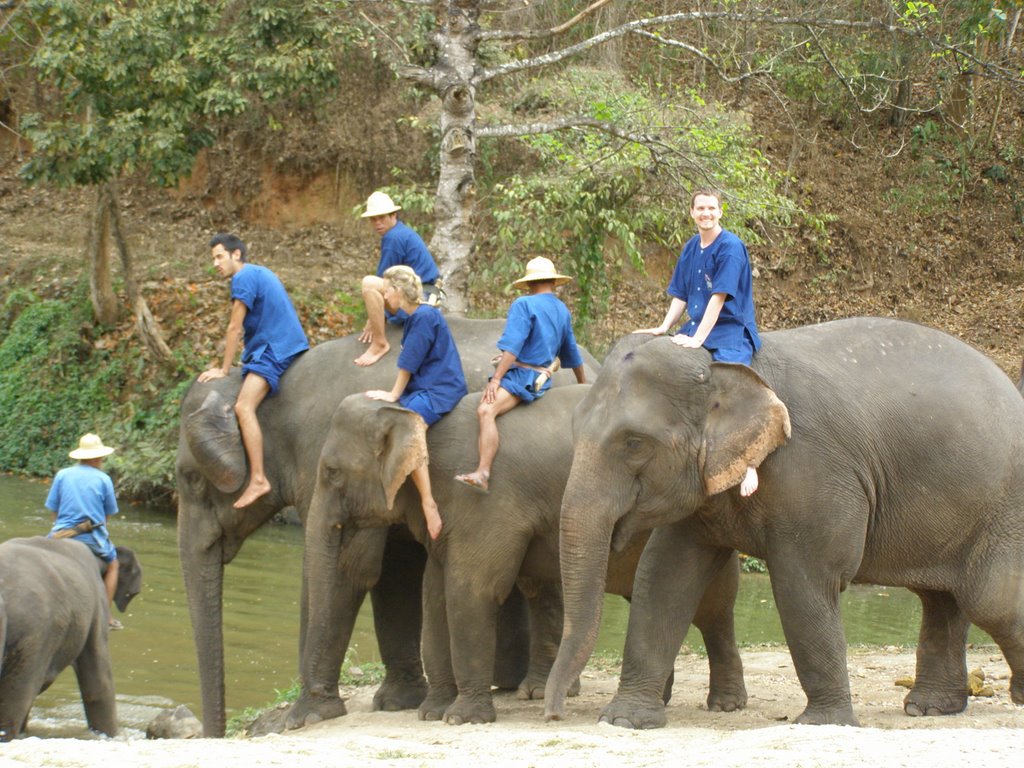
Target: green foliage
[(145, 85), (751, 564), (54, 385), (596, 199)]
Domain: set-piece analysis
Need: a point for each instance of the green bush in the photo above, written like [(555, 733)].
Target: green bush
[(55, 384)]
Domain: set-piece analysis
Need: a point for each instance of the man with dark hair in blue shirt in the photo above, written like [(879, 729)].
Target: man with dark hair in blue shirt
[(260, 308), (399, 245)]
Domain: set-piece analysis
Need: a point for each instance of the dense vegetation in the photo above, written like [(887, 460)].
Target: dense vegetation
[(870, 151)]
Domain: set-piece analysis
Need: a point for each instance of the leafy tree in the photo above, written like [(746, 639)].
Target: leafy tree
[(862, 57), (144, 86)]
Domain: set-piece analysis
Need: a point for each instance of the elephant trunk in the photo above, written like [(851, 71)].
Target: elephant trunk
[(584, 546), (332, 603), (203, 571)]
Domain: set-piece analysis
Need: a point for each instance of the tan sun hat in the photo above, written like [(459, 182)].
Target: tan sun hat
[(541, 268), (380, 204), (90, 447)]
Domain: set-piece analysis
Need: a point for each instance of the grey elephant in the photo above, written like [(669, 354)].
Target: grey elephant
[(54, 613), (905, 467), (489, 543), (388, 562)]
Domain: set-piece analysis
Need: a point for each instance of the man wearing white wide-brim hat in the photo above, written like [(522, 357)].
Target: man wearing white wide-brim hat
[(399, 244), (537, 340), (81, 499)]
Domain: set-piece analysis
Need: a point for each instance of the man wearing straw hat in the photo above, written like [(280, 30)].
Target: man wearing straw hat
[(537, 340), (81, 499), (399, 244)]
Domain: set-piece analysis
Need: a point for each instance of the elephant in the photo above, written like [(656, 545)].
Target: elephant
[(53, 612), (211, 468), (488, 543), (888, 452)]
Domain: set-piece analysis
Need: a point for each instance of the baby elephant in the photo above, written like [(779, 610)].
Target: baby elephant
[(53, 612)]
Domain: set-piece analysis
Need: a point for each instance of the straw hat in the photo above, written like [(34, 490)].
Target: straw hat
[(380, 204), (90, 447), (541, 269)]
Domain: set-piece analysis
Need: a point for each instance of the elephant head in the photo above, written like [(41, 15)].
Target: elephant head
[(371, 449), (661, 432), (129, 578)]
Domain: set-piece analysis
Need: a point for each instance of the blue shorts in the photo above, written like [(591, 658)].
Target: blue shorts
[(742, 354), (419, 402), (519, 382), (269, 368)]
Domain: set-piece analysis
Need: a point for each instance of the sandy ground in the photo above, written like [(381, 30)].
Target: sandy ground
[(989, 733)]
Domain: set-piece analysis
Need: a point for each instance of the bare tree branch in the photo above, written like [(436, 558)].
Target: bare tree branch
[(637, 25)]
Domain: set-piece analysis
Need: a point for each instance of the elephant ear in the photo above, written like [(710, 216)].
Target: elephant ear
[(402, 447), (745, 422), (215, 441)]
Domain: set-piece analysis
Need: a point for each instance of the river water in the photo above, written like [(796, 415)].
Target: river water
[(154, 657)]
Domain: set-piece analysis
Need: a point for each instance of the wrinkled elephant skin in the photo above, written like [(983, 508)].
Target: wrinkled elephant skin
[(54, 614), (888, 453)]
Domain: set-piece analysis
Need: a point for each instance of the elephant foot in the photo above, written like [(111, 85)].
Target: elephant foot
[(628, 714), (1017, 689), (309, 709), (397, 693), (727, 698), (471, 709), (436, 703), (925, 703), (532, 688), (823, 716)]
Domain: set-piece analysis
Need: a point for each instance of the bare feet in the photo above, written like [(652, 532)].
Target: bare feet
[(476, 480), (749, 483), (255, 491), (372, 355)]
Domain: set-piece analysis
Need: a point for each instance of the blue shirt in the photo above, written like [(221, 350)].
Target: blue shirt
[(539, 329), (430, 355), (79, 493), (271, 322), (401, 245), (722, 267)]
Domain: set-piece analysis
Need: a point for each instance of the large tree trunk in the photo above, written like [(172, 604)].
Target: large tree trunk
[(452, 79), (101, 286)]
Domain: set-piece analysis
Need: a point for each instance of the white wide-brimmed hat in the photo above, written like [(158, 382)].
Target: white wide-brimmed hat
[(90, 447), (380, 204), (541, 269)]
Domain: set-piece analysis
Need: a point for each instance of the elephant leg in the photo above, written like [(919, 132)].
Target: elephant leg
[(472, 623), (940, 686), (715, 620), (437, 657), (673, 573), (807, 598), (546, 611), (512, 655), (16, 697), (397, 616), (96, 680), (995, 604)]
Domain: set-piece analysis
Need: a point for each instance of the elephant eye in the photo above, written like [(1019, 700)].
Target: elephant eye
[(192, 480), (333, 476), (638, 451)]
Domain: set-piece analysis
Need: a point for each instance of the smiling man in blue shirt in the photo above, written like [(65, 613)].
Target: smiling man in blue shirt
[(712, 283)]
